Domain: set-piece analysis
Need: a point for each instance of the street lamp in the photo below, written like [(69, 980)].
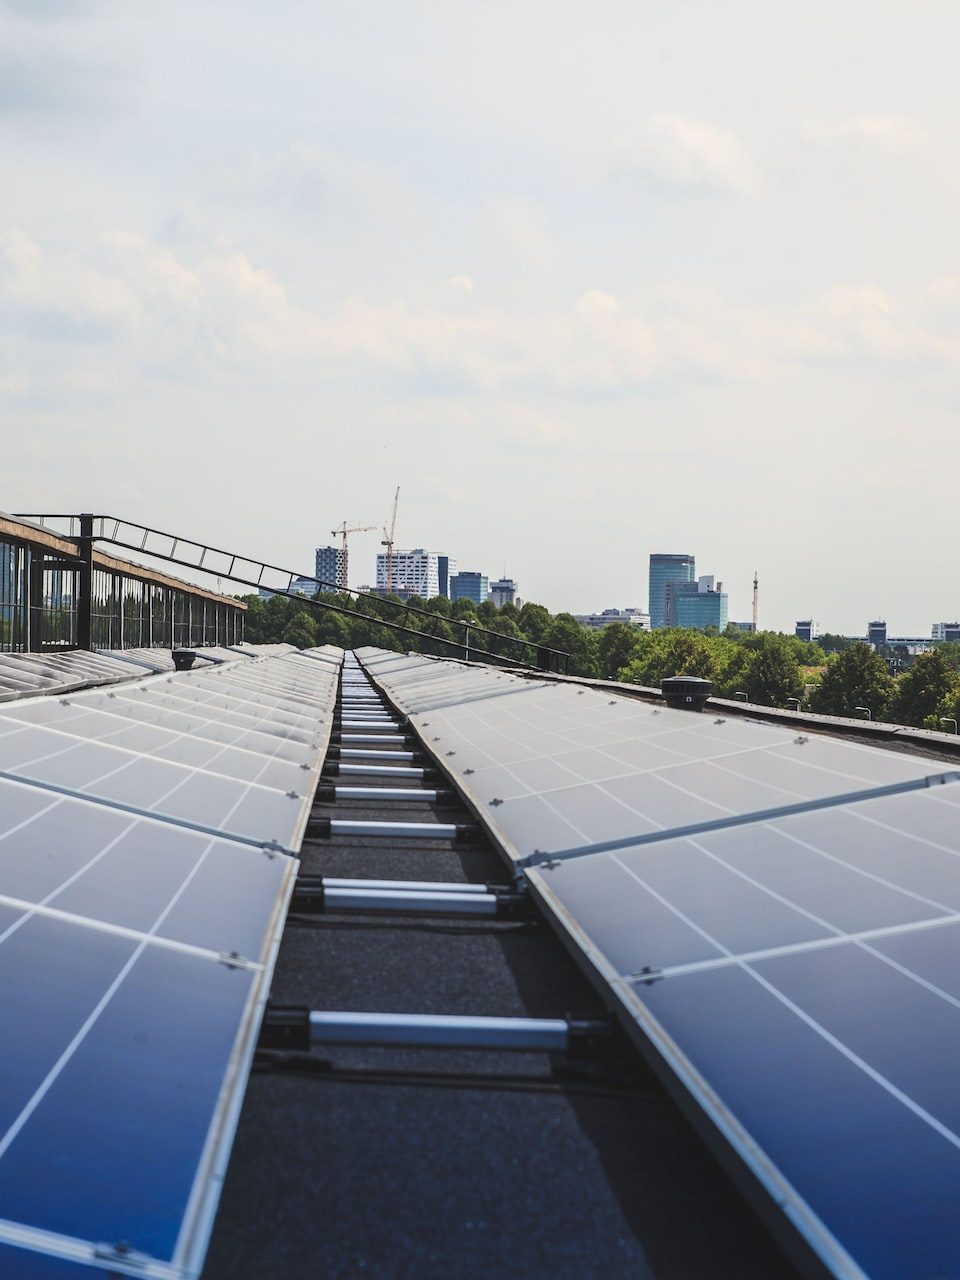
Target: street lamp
[(949, 720), (866, 711), (796, 700), (741, 695)]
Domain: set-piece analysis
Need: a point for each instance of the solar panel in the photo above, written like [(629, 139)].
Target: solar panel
[(419, 684), (790, 969), (147, 659), (141, 901), (30, 673), (559, 769), (106, 1101)]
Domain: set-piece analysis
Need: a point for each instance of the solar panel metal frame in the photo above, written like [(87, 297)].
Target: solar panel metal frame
[(803, 1233)]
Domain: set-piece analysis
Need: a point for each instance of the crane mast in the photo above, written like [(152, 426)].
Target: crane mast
[(343, 531), (756, 587), (388, 540)]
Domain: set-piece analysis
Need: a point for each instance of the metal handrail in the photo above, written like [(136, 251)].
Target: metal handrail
[(103, 524)]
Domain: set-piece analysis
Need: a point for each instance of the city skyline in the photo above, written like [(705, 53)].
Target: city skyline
[(619, 601)]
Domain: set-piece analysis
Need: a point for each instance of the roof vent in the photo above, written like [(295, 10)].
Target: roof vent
[(183, 659), (686, 693)]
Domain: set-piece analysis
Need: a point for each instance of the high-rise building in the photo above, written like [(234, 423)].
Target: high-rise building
[(807, 629), (416, 571), (330, 567), (503, 591), (697, 604), (877, 633), (945, 631), (445, 566), (663, 570), (469, 586)]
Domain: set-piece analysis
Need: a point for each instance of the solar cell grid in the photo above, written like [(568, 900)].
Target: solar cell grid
[(569, 768), (106, 866), (183, 748), (149, 659), (108, 717), (224, 698), (136, 944), (793, 972), (22, 675), (153, 785)]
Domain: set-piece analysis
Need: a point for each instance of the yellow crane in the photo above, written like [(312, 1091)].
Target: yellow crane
[(343, 531), (388, 540)]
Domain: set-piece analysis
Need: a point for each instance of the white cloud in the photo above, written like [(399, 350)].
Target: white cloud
[(868, 148), (521, 225), (688, 155), (128, 306), (894, 135)]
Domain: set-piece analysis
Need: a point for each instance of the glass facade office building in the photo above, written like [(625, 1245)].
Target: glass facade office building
[(664, 569), (469, 586), (700, 609)]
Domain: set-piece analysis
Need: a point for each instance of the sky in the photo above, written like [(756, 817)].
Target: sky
[(586, 280)]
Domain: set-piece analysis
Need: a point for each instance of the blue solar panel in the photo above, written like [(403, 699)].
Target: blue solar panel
[(136, 953), (790, 969), (799, 976), (106, 1106)]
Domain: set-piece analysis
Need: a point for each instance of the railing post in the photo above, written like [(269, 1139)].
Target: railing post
[(34, 610), (85, 584)]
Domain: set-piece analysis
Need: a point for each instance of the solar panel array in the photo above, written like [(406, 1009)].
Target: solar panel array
[(23, 674), (774, 915), (146, 862)]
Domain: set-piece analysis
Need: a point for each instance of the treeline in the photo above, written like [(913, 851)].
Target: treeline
[(778, 671), (841, 677), (519, 632)]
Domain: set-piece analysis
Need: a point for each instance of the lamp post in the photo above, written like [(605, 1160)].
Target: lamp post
[(866, 711), (796, 700), (949, 720), (741, 695)]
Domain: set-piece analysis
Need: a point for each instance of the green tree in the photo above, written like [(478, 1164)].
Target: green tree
[(926, 690), (301, 630), (566, 633), (464, 608), (535, 621), (857, 677), (617, 644), (671, 652), (951, 654), (830, 643), (507, 627), (772, 672), (330, 628), (438, 628)]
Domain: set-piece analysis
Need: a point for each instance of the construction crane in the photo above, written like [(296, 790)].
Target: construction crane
[(342, 531), (388, 540), (756, 587)]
